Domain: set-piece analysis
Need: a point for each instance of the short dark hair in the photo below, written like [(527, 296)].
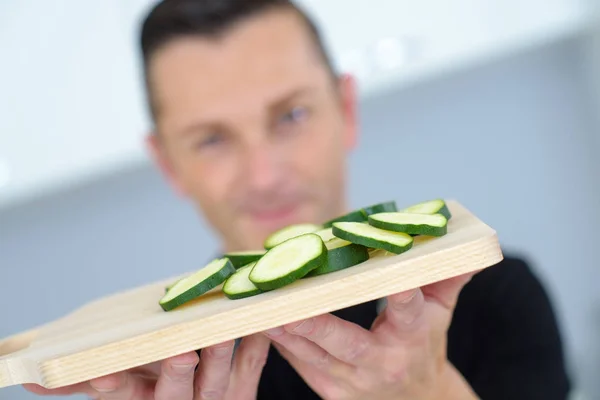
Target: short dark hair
[(172, 19)]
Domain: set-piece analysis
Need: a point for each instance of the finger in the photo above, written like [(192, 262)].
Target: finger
[(214, 371), (151, 371), (344, 340), (250, 359), (325, 385), (405, 311), (446, 292), (176, 379), (121, 386), (310, 353)]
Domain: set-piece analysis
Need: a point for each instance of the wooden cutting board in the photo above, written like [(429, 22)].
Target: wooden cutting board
[(129, 329)]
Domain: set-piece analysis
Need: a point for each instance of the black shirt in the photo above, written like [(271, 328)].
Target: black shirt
[(503, 338)]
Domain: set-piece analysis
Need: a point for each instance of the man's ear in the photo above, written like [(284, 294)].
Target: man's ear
[(162, 161), (349, 98)]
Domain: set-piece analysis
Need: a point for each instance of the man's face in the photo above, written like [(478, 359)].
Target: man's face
[(252, 128)]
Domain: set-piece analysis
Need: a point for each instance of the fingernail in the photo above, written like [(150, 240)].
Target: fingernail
[(183, 368), (304, 327), (407, 299), (221, 351), (275, 331)]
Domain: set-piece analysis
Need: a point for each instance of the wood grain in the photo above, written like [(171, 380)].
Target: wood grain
[(129, 329)]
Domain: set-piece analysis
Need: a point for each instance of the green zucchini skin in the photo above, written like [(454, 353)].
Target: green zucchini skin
[(201, 288), (340, 230), (388, 206), (354, 216), (266, 263), (445, 211), (436, 206), (342, 257), (242, 295), (432, 224), (242, 273), (242, 258)]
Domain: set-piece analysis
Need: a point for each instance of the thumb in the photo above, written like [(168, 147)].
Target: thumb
[(249, 361)]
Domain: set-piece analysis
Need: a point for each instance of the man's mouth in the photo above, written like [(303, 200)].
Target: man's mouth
[(275, 216)]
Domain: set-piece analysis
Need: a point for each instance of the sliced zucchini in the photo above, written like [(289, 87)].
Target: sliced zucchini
[(388, 206), (289, 232), (375, 238), (326, 234), (354, 216), (341, 254), (437, 206), (241, 258), (413, 224), (195, 285), (289, 261), (239, 286)]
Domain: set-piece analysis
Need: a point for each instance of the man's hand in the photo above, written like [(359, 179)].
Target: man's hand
[(403, 356), (216, 377)]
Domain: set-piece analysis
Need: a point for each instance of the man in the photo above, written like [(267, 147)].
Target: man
[(253, 125)]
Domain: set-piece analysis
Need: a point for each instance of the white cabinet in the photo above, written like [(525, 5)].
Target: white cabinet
[(72, 100)]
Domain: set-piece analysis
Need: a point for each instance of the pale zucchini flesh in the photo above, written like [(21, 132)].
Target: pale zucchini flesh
[(326, 234), (370, 236), (414, 224), (289, 261), (437, 206), (169, 286), (290, 232), (239, 286), (195, 285)]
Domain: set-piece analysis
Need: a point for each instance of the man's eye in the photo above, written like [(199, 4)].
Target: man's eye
[(210, 140), (295, 115)]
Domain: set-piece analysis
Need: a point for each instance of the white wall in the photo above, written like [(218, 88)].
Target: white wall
[(510, 140)]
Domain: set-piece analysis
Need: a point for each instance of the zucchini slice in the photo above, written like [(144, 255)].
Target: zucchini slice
[(239, 286), (354, 216), (195, 285), (373, 237), (241, 258), (289, 261), (413, 224), (388, 206), (437, 206), (326, 234), (289, 232), (341, 254)]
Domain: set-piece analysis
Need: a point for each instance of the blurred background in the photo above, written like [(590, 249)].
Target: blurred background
[(495, 103)]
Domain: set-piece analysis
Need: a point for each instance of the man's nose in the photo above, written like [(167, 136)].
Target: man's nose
[(264, 169)]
